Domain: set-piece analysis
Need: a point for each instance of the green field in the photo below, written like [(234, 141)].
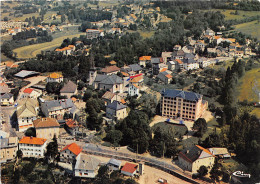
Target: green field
[(32, 50), (144, 34), (241, 14), (249, 87), (249, 28)]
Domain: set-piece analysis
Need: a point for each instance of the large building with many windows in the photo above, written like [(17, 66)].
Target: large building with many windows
[(182, 104), (32, 146)]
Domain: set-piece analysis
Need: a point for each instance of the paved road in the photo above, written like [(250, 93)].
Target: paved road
[(8, 112), (170, 168)]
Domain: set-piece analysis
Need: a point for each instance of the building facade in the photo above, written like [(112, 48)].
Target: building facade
[(32, 146), (182, 104), (46, 128)]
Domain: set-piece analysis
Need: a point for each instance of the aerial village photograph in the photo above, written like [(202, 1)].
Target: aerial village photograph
[(130, 92)]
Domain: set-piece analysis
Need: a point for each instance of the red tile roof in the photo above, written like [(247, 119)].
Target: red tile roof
[(128, 167), (144, 58), (71, 123), (32, 140), (168, 76), (74, 148), (28, 90), (110, 69)]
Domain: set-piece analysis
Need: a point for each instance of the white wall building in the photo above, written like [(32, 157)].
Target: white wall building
[(32, 146)]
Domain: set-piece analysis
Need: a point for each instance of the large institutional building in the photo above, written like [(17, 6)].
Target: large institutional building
[(182, 104)]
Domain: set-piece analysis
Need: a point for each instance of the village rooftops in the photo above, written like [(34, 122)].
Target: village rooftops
[(108, 79), (115, 105), (70, 87), (156, 60), (108, 95), (129, 167), (28, 90), (45, 123), (173, 93), (55, 75), (87, 162), (58, 104), (26, 73), (115, 162), (110, 69), (145, 58), (196, 152), (6, 96), (32, 140), (134, 67), (74, 148), (71, 123)]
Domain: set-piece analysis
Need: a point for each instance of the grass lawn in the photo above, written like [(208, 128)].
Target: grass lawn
[(242, 14), (249, 28), (144, 34), (248, 86), (32, 50), (224, 65), (232, 165), (165, 127)]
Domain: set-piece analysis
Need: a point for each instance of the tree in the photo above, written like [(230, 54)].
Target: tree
[(19, 154), (63, 18), (203, 171), (215, 173), (52, 150), (114, 136), (30, 132), (200, 125)]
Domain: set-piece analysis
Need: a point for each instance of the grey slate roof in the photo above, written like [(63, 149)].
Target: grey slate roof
[(6, 96), (172, 93), (189, 56), (25, 73), (58, 104), (189, 61), (86, 162), (134, 67), (109, 79), (155, 60), (114, 162), (70, 87), (194, 153), (115, 105)]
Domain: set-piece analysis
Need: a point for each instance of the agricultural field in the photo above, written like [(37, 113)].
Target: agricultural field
[(32, 50), (249, 28), (241, 14)]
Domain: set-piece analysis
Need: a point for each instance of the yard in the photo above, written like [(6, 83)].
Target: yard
[(249, 28)]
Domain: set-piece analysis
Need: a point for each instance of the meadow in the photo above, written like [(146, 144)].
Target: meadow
[(241, 14), (249, 28), (32, 50)]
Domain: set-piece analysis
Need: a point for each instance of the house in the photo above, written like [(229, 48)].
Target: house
[(247, 51), (112, 83), (222, 52), (188, 49), (94, 33), (57, 108), (209, 32), (171, 65), (192, 159), (55, 77), (133, 89), (143, 60), (136, 79), (33, 146), (166, 56), (7, 99), (182, 104), (8, 148), (220, 152), (46, 128), (212, 51), (129, 169), (159, 68), (109, 70), (4, 88), (203, 62), (135, 68), (190, 64), (165, 77), (114, 30), (86, 166), (69, 89), (72, 126), (112, 62), (116, 111), (114, 165), (31, 93), (69, 153), (27, 112), (239, 53), (178, 64), (200, 45), (178, 54), (177, 47), (109, 97)]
